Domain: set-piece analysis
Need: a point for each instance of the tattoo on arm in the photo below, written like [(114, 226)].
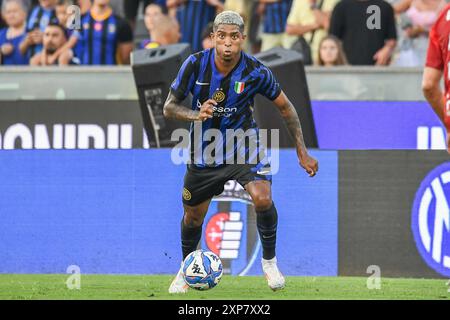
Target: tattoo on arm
[(174, 110), (292, 121)]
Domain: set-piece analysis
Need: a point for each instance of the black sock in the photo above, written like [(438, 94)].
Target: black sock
[(266, 222), (190, 236)]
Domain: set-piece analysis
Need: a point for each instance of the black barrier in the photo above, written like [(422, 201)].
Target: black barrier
[(154, 70), (71, 125), (288, 69), (377, 190)]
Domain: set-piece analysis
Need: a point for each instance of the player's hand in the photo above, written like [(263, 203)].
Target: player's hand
[(310, 164), (206, 110)]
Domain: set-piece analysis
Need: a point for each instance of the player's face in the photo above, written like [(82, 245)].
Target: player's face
[(13, 14), (228, 42), (329, 52)]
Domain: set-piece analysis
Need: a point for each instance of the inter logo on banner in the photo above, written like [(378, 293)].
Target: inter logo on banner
[(239, 87)]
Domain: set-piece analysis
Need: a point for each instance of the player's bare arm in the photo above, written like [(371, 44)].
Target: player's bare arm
[(432, 91), (292, 121), (173, 109)]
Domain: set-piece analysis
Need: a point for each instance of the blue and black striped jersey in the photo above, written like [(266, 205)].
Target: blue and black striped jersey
[(234, 94), (193, 17), (276, 15), (99, 38)]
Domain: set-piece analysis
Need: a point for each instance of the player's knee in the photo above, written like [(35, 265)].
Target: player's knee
[(191, 219), (262, 202)]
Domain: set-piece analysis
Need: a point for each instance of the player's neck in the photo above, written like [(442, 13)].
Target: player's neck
[(225, 67)]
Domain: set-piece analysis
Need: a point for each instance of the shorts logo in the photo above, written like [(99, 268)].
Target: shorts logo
[(218, 96), (186, 194), (430, 221)]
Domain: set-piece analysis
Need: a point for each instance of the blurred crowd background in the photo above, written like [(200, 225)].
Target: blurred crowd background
[(325, 32)]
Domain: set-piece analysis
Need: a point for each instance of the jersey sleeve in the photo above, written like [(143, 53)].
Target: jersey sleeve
[(434, 53), (270, 88), (184, 81)]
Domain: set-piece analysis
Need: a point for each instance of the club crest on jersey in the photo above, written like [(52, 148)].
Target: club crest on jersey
[(186, 194), (239, 87), (218, 96)]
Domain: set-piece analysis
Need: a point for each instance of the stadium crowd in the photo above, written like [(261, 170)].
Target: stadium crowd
[(325, 32)]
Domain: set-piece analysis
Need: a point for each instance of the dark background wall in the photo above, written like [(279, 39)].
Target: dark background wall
[(376, 195)]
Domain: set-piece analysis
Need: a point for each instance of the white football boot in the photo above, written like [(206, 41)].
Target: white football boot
[(178, 284), (275, 279)]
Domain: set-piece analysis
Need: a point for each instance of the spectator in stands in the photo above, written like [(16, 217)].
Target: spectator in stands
[(166, 31), (152, 11), (309, 20), (207, 42), (105, 38), (2, 23), (85, 6), (419, 16), (274, 15), (40, 17), (193, 16), (242, 7), (368, 39), (14, 13), (331, 52), (54, 38), (131, 8), (72, 34)]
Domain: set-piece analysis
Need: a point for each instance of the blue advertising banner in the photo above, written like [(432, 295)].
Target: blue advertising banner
[(119, 211), (353, 125)]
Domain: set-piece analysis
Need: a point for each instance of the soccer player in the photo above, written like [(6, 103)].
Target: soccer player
[(437, 64), (223, 82)]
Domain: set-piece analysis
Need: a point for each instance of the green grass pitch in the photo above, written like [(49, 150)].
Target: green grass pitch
[(153, 287)]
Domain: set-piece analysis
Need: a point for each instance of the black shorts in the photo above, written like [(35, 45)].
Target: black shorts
[(201, 184)]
